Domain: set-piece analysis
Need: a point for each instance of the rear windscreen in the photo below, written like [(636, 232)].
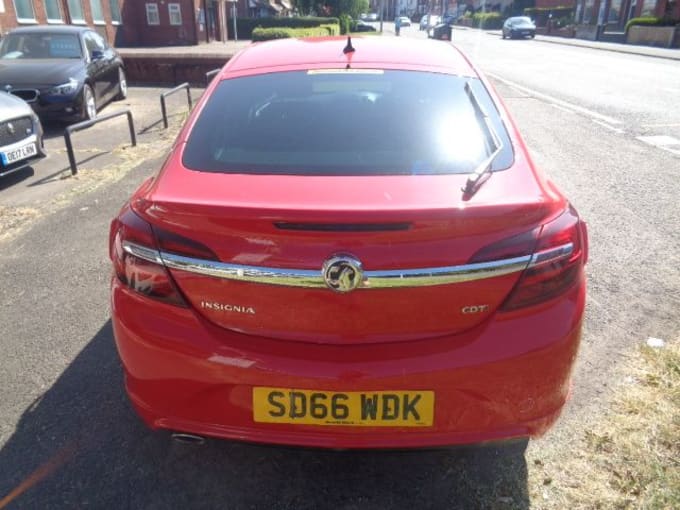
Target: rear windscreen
[(344, 122)]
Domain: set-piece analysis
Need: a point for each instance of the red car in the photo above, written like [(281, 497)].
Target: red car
[(348, 246)]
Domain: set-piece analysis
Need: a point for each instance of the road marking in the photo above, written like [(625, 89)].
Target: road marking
[(559, 102), (663, 142), (673, 124), (605, 125), (659, 140), (563, 109)]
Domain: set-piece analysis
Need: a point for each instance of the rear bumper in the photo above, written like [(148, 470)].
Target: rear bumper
[(505, 379)]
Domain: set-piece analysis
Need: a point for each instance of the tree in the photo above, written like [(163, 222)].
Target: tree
[(353, 8)]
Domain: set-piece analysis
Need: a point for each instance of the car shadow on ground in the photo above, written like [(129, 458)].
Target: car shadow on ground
[(16, 177), (80, 445), (53, 129)]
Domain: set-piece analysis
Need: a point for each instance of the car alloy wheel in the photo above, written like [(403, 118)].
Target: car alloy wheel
[(122, 85), (89, 103)]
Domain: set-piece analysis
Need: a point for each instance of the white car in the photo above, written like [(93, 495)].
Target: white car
[(404, 21), (21, 135), (429, 21)]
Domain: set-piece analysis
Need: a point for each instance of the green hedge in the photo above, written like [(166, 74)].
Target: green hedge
[(541, 15), (245, 26), (332, 29), (267, 34), (652, 21), (492, 20)]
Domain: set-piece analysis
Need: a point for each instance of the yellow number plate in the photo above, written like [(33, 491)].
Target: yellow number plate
[(357, 408)]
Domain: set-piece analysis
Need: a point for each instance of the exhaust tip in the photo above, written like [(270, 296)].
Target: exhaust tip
[(184, 438)]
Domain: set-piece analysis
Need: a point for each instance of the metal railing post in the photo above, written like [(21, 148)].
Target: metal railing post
[(164, 110), (210, 75), (69, 150), (131, 127), (89, 123)]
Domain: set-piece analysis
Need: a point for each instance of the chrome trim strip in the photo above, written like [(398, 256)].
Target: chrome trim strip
[(142, 252), (309, 278), (371, 280), (427, 277), (255, 274), (551, 254)]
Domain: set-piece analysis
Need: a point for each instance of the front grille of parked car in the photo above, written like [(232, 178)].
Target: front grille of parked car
[(28, 95), (15, 130)]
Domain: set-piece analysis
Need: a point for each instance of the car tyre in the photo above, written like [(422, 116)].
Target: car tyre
[(89, 103), (122, 85)]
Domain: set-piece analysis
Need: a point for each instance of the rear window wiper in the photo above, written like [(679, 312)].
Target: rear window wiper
[(483, 170)]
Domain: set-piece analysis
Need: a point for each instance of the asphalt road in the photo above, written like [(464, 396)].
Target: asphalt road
[(68, 438)]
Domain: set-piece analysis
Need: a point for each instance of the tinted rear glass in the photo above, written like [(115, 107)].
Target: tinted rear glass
[(344, 123)]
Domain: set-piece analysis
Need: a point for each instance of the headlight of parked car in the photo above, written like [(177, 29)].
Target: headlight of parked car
[(65, 88)]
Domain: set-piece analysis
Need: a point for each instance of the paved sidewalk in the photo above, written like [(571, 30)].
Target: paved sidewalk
[(631, 49)]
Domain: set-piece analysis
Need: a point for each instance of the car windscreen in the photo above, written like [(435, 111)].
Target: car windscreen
[(40, 45), (522, 21), (346, 122)]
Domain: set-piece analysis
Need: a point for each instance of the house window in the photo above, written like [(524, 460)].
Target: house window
[(615, 11), (589, 14), (97, 11), (53, 10), (24, 10), (115, 12), (152, 17), (175, 13), (648, 7), (75, 9)]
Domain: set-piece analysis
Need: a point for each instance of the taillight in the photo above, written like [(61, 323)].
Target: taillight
[(556, 264), (136, 259)]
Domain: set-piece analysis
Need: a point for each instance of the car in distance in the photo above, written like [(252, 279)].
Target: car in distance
[(64, 72), (429, 21), (362, 26), (404, 21), (449, 19), (519, 26), (344, 272), (21, 135), (372, 16)]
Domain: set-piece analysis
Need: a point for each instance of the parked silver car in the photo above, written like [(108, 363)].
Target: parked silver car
[(21, 134)]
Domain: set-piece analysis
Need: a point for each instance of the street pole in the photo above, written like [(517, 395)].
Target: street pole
[(235, 32), (382, 13)]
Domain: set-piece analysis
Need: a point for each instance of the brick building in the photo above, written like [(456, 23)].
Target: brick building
[(140, 22), (105, 16)]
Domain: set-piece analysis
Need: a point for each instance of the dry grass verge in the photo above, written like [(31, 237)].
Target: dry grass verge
[(628, 458)]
